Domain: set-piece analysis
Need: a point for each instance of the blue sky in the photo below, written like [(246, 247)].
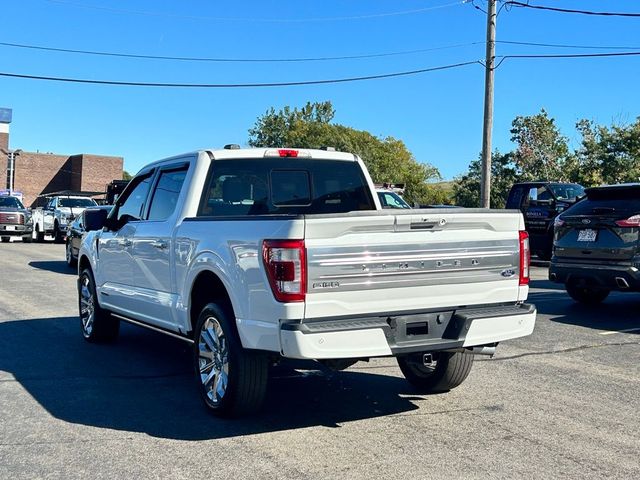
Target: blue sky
[(438, 114)]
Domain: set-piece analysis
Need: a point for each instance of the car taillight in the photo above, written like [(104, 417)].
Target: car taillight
[(633, 221), (525, 258), (286, 265)]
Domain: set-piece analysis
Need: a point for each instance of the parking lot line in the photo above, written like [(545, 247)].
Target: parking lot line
[(611, 332)]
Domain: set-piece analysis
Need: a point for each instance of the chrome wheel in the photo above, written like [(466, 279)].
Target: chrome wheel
[(213, 360), (87, 306)]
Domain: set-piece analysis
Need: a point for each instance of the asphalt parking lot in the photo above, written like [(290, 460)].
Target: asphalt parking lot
[(562, 403)]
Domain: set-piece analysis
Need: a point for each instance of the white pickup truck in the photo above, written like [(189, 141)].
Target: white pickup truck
[(252, 255), (54, 218)]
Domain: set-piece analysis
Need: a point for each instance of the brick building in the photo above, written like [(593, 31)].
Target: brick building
[(39, 173)]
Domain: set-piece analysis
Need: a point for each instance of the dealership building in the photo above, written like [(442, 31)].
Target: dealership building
[(34, 174)]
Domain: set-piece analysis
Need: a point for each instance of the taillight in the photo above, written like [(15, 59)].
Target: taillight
[(287, 153), (286, 265), (633, 221), (525, 258)]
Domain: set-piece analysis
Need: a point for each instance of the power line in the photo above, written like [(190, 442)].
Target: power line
[(569, 55), (235, 60), (561, 45), (302, 59), (256, 20), (569, 10), (237, 85)]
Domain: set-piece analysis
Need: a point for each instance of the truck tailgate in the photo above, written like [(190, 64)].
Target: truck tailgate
[(418, 260)]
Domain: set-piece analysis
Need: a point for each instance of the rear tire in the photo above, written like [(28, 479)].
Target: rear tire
[(5, 239), (71, 261), (232, 380), (587, 295), (97, 325), (449, 371)]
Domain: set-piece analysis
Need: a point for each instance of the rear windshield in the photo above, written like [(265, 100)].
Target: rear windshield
[(11, 202), (284, 186), (76, 202), (604, 201)]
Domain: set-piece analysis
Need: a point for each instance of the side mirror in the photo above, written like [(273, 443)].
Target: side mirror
[(95, 219)]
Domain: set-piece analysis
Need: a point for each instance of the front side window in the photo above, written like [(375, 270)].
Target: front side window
[(132, 206), (166, 193)]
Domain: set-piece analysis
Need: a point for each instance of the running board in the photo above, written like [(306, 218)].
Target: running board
[(150, 327)]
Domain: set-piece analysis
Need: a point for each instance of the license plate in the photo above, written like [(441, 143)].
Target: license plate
[(10, 227), (587, 235)]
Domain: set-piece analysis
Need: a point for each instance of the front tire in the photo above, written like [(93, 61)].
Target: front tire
[(27, 239), (58, 237), (38, 235), (449, 370), (97, 325), (232, 380), (5, 239), (586, 295)]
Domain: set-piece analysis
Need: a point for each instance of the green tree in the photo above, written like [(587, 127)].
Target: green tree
[(608, 154), (466, 188), (387, 159), (542, 152), (126, 175)]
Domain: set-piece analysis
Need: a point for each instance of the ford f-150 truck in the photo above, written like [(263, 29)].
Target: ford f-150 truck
[(252, 255), (54, 218)]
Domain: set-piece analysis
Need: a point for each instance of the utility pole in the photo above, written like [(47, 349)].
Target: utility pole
[(485, 185)]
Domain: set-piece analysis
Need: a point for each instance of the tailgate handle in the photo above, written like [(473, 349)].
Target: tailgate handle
[(427, 224)]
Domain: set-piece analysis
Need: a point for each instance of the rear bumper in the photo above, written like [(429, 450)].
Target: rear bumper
[(605, 276), (402, 334), (11, 230)]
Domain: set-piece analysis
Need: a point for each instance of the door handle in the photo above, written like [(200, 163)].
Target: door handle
[(159, 244)]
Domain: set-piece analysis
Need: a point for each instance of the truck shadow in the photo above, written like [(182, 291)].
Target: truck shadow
[(143, 383), (55, 266)]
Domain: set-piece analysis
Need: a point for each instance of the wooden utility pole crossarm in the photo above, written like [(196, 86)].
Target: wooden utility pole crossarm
[(485, 185)]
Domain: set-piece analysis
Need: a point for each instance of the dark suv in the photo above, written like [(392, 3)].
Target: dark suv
[(540, 203), (596, 244)]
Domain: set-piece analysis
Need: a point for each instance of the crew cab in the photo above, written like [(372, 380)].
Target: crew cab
[(54, 218), (254, 255)]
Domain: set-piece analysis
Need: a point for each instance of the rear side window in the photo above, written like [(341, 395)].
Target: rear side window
[(604, 201), (284, 186), (515, 197)]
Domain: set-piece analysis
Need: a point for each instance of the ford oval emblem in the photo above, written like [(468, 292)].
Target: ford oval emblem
[(586, 221), (507, 273)]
